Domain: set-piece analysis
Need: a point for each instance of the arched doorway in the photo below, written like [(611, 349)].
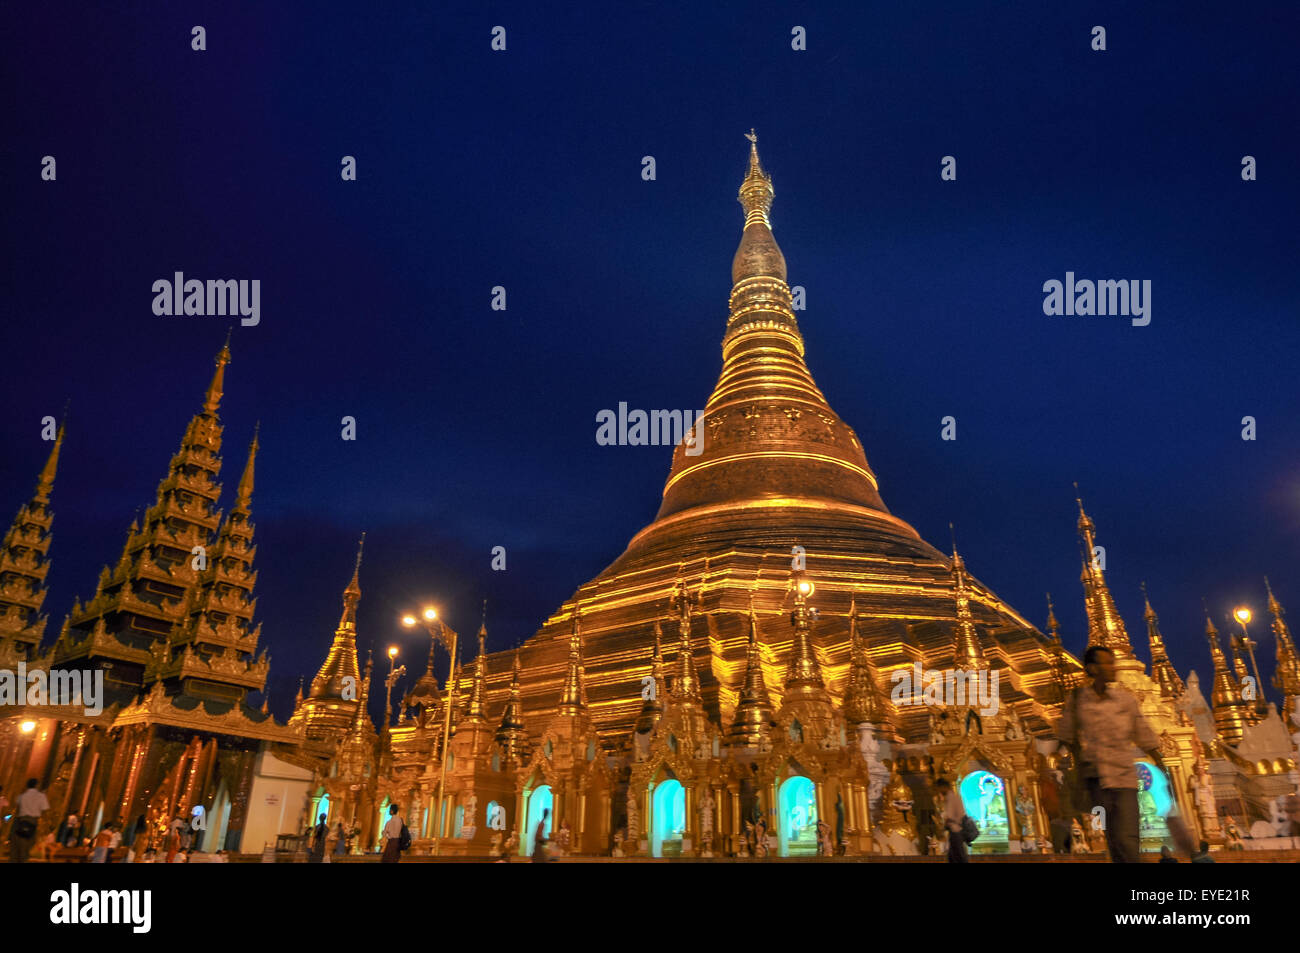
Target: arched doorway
[(539, 802), (797, 820), (669, 819), (983, 794)]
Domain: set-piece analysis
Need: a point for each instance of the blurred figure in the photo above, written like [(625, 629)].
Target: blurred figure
[(540, 855), (1104, 726), (954, 812), (28, 810)]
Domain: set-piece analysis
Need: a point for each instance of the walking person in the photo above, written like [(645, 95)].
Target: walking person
[(318, 841), (29, 807), (393, 835), (114, 842), (174, 838), (99, 847), (1104, 726), (140, 844), (540, 855), (954, 815)]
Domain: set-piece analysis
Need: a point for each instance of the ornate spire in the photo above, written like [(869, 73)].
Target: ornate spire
[(652, 704), (24, 565), (475, 713), (804, 671), (159, 583), (864, 703), (766, 412), (328, 707), (212, 400), (751, 726), (687, 684), (1286, 677), (511, 735), (244, 494), (1229, 711), (968, 655), (1162, 670), (571, 699), (1105, 627), (46, 481), (352, 594), (1060, 678)]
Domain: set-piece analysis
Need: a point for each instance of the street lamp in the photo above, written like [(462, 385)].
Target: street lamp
[(27, 727), (447, 636), (393, 675), (1243, 615)]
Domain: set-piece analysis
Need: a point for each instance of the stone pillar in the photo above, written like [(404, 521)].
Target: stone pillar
[(737, 829)]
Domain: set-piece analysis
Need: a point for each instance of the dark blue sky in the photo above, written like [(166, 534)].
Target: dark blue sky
[(476, 427)]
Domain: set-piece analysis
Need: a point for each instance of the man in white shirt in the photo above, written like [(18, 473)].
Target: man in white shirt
[(393, 837), (954, 812), (29, 807), (1103, 724)]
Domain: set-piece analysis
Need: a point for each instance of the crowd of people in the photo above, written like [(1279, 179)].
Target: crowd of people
[(73, 839)]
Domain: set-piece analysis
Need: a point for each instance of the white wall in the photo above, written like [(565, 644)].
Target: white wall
[(275, 802)]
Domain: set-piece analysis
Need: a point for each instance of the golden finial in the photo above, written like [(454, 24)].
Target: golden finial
[(756, 191), (244, 494), (46, 481), (213, 398)]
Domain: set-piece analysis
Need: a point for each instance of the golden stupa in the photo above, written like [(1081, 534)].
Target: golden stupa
[(780, 484)]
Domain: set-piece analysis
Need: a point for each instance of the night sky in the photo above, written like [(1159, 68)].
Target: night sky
[(476, 428)]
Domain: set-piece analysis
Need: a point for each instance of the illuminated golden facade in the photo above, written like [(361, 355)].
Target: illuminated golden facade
[(170, 630), (734, 671), (791, 595)]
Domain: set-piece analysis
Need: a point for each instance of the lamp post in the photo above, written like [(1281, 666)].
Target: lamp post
[(440, 634), (393, 675), (1243, 615)]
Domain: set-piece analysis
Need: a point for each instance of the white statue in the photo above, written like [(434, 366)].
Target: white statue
[(471, 808), (707, 805)]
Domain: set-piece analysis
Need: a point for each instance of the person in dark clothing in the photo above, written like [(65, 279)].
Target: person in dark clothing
[(318, 840)]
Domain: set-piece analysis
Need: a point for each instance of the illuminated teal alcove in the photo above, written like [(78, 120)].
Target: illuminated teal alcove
[(539, 802), (1155, 800), (984, 796), (669, 819), (797, 820)]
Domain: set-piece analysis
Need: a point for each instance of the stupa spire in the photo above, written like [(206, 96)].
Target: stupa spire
[(864, 703), (967, 652), (1225, 698), (341, 660), (751, 726), (1105, 626), (510, 733), (767, 431), (571, 699), (652, 705), (1162, 670), (476, 690), (687, 683), (212, 399), (1286, 677)]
